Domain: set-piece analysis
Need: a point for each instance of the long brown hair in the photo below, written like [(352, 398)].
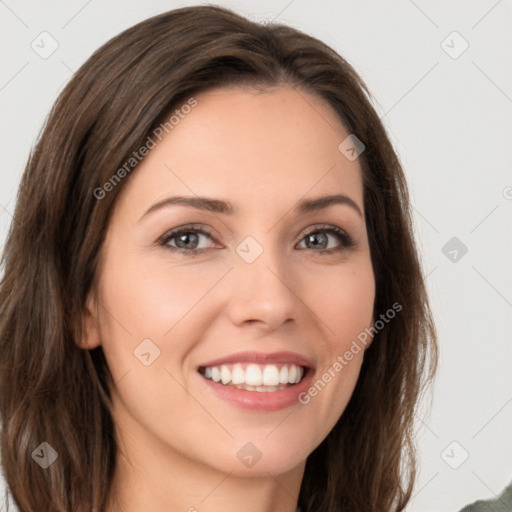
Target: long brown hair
[(55, 392)]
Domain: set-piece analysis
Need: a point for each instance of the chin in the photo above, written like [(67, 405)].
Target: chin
[(259, 456)]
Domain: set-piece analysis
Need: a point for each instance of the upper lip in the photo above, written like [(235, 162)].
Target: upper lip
[(261, 358)]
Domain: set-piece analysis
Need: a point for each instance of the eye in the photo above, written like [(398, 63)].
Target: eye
[(186, 240), (191, 240), (317, 238)]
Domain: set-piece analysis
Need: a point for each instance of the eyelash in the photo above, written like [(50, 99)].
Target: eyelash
[(346, 241)]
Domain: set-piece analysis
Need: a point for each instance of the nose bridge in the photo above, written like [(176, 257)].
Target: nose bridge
[(261, 277)]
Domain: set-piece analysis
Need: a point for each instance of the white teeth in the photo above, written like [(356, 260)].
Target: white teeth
[(215, 374), (261, 388), (225, 374), (237, 375), (255, 377), (292, 374), (270, 375)]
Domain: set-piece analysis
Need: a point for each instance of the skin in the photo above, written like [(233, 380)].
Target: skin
[(178, 442)]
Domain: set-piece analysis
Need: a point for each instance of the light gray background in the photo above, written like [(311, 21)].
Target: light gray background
[(450, 121)]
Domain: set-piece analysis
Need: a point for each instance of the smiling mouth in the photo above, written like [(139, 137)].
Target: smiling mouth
[(255, 377)]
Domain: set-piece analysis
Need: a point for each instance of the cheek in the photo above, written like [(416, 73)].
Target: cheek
[(143, 300), (149, 299), (344, 305), (155, 300), (344, 299)]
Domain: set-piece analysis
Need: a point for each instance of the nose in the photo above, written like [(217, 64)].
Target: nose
[(263, 292)]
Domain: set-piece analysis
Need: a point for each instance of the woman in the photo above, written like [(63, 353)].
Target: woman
[(212, 298)]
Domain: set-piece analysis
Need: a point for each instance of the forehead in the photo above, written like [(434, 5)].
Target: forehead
[(277, 146)]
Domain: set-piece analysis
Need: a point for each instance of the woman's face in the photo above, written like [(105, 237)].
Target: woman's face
[(257, 287)]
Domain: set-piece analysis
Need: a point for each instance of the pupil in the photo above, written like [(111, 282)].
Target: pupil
[(183, 239), (316, 235)]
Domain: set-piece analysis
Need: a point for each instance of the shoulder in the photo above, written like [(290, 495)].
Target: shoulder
[(502, 503)]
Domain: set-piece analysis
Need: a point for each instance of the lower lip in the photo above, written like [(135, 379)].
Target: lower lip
[(260, 401)]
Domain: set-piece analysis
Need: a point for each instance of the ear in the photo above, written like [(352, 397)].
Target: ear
[(90, 335)]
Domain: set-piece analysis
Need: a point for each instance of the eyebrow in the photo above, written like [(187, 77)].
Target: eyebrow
[(223, 207)]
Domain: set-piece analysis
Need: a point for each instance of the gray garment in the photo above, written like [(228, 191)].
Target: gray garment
[(502, 503)]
